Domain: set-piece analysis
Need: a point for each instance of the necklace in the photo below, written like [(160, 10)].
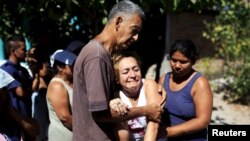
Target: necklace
[(133, 101), (133, 98)]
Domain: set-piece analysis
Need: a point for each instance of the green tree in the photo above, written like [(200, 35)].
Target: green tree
[(65, 19), (231, 34), (72, 19), (54, 23)]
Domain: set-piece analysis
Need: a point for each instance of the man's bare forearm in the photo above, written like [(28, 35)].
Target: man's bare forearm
[(152, 112), (112, 116)]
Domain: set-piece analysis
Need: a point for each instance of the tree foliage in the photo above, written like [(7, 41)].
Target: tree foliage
[(231, 34), (64, 19), (72, 19), (54, 23)]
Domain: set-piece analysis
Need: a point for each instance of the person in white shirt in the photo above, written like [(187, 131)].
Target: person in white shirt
[(134, 91)]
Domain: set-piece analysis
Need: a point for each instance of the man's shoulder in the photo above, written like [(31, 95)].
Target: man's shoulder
[(93, 45), (2, 62), (7, 66), (94, 49)]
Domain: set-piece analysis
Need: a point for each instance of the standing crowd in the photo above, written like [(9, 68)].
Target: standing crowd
[(96, 92)]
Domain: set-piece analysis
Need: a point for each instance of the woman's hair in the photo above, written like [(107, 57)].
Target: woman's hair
[(125, 8), (186, 47), (53, 70), (123, 54)]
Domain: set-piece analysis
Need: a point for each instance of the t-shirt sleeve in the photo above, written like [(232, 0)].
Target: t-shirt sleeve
[(14, 84), (8, 80), (97, 84)]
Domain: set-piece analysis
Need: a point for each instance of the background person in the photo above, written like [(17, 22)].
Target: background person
[(59, 96), (75, 47), (10, 116), (190, 101), (41, 80), (20, 93)]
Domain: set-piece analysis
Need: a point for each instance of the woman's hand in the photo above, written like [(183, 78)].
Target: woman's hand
[(163, 93), (118, 106)]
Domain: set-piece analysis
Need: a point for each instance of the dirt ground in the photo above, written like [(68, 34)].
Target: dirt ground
[(223, 111), (229, 113)]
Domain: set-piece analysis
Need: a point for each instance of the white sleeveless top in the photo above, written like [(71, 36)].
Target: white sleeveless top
[(137, 126), (57, 131)]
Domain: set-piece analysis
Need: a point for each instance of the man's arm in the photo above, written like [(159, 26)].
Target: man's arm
[(151, 111)]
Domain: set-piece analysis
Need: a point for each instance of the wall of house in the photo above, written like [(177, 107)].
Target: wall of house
[(184, 25), (191, 25)]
